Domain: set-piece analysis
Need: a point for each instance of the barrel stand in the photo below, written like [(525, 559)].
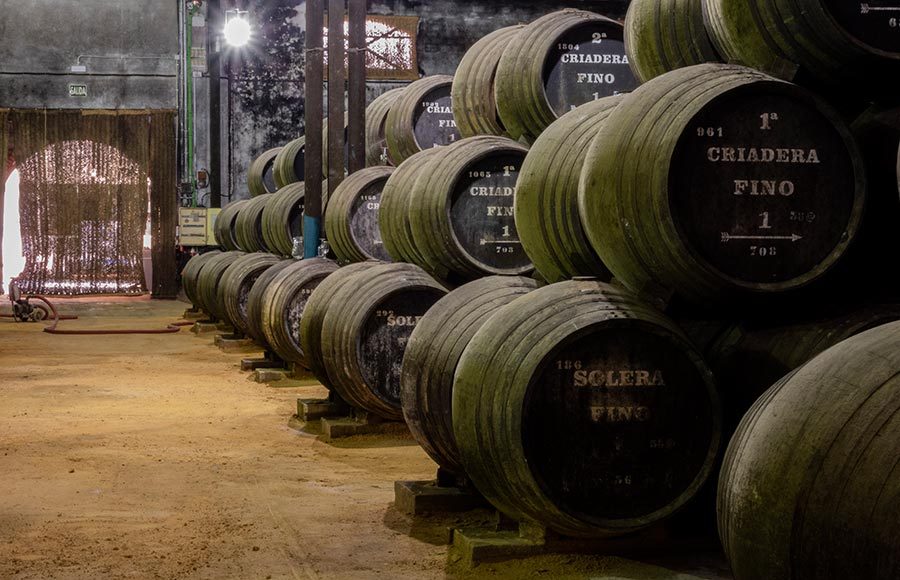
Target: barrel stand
[(446, 493)]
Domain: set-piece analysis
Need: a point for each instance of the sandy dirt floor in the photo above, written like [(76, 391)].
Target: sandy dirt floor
[(156, 457)]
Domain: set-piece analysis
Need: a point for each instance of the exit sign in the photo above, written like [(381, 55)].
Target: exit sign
[(77, 90)]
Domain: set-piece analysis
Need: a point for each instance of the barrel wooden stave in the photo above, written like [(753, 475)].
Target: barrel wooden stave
[(804, 490), (284, 301), (660, 229), (254, 320), (411, 128), (352, 217), (376, 120), (208, 283), (248, 224), (432, 356), (260, 178), (288, 166), (236, 284), (534, 381), (546, 205), (472, 93), (191, 272), (664, 35), (224, 228), (362, 348)]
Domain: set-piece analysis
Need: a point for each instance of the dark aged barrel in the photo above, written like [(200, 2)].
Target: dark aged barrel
[(191, 272), (546, 205), (225, 225), (474, 105), (421, 118), (288, 166), (284, 301), (208, 283), (854, 45), (462, 210), (255, 302), (352, 217), (579, 407), (365, 331), (260, 176), (556, 63), (394, 213), (376, 118), (314, 314), (720, 182), (249, 226), (282, 218), (748, 358), (234, 288), (664, 35), (809, 485), (432, 355)]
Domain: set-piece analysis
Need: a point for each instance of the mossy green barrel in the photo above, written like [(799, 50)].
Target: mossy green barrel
[(461, 210), (226, 223), (191, 273), (852, 46), (260, 174), (249, 225), (282, 218), (288, 166), (284, 302), (664, 35), (721, 184), (396, 207), (208, 283), (352, 217), (581, 408), (421, 118), (237, 281), (376, 119), (474, 105), (255, 299), (433, 353), (546, 205), (809, 486), (314, 315), (366, 329), (556, 63)]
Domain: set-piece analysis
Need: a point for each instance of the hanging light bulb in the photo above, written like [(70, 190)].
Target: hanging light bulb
[(237, 28)]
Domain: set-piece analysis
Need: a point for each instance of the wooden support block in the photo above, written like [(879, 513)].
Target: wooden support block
[(315, 409), (417, 498), (270, 375), (222, 326), (251, 364), (192, 314), (361, 424), (204, 328), (233, 343)]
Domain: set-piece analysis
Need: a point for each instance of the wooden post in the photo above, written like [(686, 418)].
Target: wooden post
[(315, 16), (356, 87), (336, 162)]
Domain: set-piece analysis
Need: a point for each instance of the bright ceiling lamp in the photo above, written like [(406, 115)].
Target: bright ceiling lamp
[(237, 28)]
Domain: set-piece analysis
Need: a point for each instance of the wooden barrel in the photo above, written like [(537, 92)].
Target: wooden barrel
[(365, 331), (395, 210), (376, 119), (255, 302), (461, 210), (226, 224), (748, 358), (421, 118), (249, 226), (352, 217), (474, 105), (556, 63), (191, 272), (314, 314), (664, 35), (851, 45), (284, 301), (260, 175), (810, 482), (288, 166), (546, 205), (579, 407), (282, 219), (208, 283), (432, 355), (236, 283), (719, 183)]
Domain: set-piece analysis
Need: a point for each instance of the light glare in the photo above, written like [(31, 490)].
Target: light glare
[(237, 31)]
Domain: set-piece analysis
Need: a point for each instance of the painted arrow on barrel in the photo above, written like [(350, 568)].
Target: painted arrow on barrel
[(485, 242), (865, 8), (726, 237)]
